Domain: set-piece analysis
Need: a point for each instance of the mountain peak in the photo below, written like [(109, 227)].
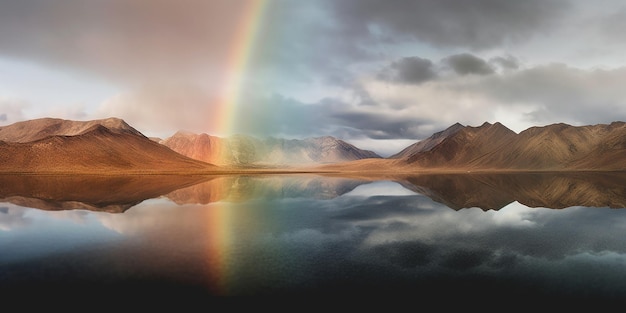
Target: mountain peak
[(40, 128), (430, 142)]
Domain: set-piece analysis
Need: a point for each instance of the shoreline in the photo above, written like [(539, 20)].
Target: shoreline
[(302, 171)]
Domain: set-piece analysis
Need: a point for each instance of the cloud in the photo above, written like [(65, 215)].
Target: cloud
[(329, 116), (508, 62), (410, 70), (122, 40), (563, 93), (162, 109), (13, 217), (476, 24), (12, 110), (538, 95), (466, 63)]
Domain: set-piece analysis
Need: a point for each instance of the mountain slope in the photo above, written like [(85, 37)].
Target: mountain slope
[(96, 149), (495, 147), (41, 128), (464, 146), (428, 143)]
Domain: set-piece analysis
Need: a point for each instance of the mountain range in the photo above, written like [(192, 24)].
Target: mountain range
[(494, 146), (111, 146), (247, 150), (108, 146)]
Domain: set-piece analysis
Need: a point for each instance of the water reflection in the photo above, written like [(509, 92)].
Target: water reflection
[(549, 190), (285, 235)]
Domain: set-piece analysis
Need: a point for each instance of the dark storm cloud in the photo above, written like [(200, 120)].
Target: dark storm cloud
[(377, 126), (476, 24), (329, 116), (410, 70), (466, 63)]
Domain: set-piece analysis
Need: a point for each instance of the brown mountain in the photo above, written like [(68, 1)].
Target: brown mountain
[(76, 147), (560, 147), (462, 146), (495, 147), (246, 150), (41, 128), (428, 143), (197, 146)]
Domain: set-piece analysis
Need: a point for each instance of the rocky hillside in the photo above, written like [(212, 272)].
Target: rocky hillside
[(58, 146)]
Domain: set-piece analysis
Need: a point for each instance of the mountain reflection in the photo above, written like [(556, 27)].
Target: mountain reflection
[(237, 188), (114, 194), (549, 190), (456, 191)]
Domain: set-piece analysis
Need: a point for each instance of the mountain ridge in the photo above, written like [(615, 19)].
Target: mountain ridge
[(88, 147), (247, 150), (111, 145)]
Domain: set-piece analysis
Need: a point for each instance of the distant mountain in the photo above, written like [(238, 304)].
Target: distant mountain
[(493, 146), (53, 145), (247, 150)]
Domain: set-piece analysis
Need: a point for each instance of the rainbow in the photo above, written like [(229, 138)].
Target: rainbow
[(220, 220), (247, 28), (218, 243)]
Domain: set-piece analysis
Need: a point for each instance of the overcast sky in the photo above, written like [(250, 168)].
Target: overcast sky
[(380, 74)]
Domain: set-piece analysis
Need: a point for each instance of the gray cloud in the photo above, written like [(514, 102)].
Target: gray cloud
[(466, 63), (534, 96), (329, 116), (475, 24), (508, 62), (410, 70), (563, 93)]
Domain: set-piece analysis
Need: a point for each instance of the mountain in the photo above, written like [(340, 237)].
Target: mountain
[(462, 145), (196, 146), (60, 146), (41, 128), (494, 147), (247, 150), (561, 146), (428, 143)]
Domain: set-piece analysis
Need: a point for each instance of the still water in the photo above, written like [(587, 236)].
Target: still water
[(559, 236)]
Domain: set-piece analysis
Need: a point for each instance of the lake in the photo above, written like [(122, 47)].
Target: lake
[(551, 235)]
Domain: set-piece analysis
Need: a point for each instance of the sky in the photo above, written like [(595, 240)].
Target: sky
[(380, 74)]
